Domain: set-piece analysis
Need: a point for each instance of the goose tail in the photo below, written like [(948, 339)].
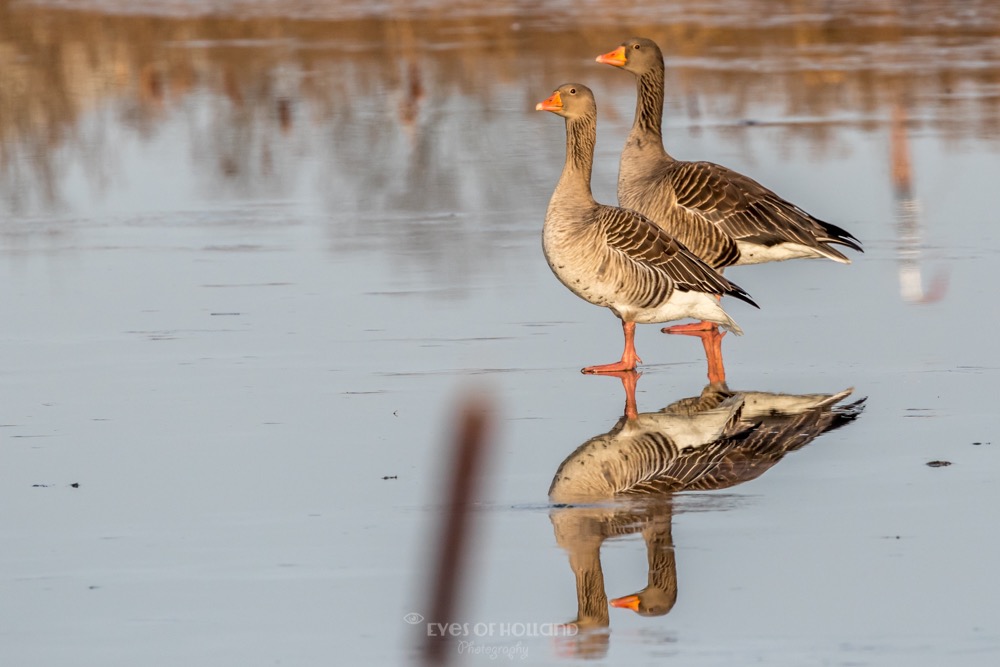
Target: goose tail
[(840, 236)]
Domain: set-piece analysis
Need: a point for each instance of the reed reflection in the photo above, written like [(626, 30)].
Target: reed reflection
[(624, 481)]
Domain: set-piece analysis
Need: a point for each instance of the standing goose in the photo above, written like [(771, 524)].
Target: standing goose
[(615, 257), (722, 216)]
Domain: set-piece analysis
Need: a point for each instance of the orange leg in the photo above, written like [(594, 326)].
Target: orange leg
[(692, 329), (711, 340), (629, 357)]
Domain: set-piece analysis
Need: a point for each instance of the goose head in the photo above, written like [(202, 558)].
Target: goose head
[(570, 100), (637, 55)]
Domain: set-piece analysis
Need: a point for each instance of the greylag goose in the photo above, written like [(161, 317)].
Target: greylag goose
[(617, 258), (722, 216), (716, 440)]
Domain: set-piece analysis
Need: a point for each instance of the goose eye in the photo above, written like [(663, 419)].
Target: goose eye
[(572, 91), (635, 46)]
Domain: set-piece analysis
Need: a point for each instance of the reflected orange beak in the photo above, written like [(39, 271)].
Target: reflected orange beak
[(616, 57), (627, 602), (553, 103)]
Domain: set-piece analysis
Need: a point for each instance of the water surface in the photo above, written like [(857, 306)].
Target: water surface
[(252, 257)]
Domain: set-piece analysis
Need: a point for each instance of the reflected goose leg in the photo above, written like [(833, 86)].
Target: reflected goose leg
[(629, 357), (630, 380)]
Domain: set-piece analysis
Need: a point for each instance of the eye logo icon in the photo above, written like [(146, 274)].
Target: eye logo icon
[(413, 618)]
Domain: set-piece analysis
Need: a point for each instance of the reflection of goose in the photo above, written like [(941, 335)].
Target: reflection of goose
[(722, 216), (614, 257), (715, 440), (649, 452)]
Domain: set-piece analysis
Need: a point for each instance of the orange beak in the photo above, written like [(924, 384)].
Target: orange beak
[(553, 103), (627, 602), (616, 57)]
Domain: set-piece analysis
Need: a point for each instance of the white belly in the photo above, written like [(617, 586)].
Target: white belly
[(681, 305), (752, 253)]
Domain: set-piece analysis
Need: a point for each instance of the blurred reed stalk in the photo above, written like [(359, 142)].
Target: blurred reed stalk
[(468, 453)]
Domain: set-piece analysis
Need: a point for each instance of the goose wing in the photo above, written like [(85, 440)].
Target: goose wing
[(746, 210), (639, 242)]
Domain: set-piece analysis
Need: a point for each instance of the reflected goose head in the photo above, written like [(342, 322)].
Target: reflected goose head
[(648, 601), (570, 100), (636, 55)]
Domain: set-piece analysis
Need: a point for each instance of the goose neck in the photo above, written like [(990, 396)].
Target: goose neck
[(581, 137), (649, 105)]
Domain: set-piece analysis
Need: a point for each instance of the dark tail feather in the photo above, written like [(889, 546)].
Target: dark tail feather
[(841, 236), (741, 294)]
